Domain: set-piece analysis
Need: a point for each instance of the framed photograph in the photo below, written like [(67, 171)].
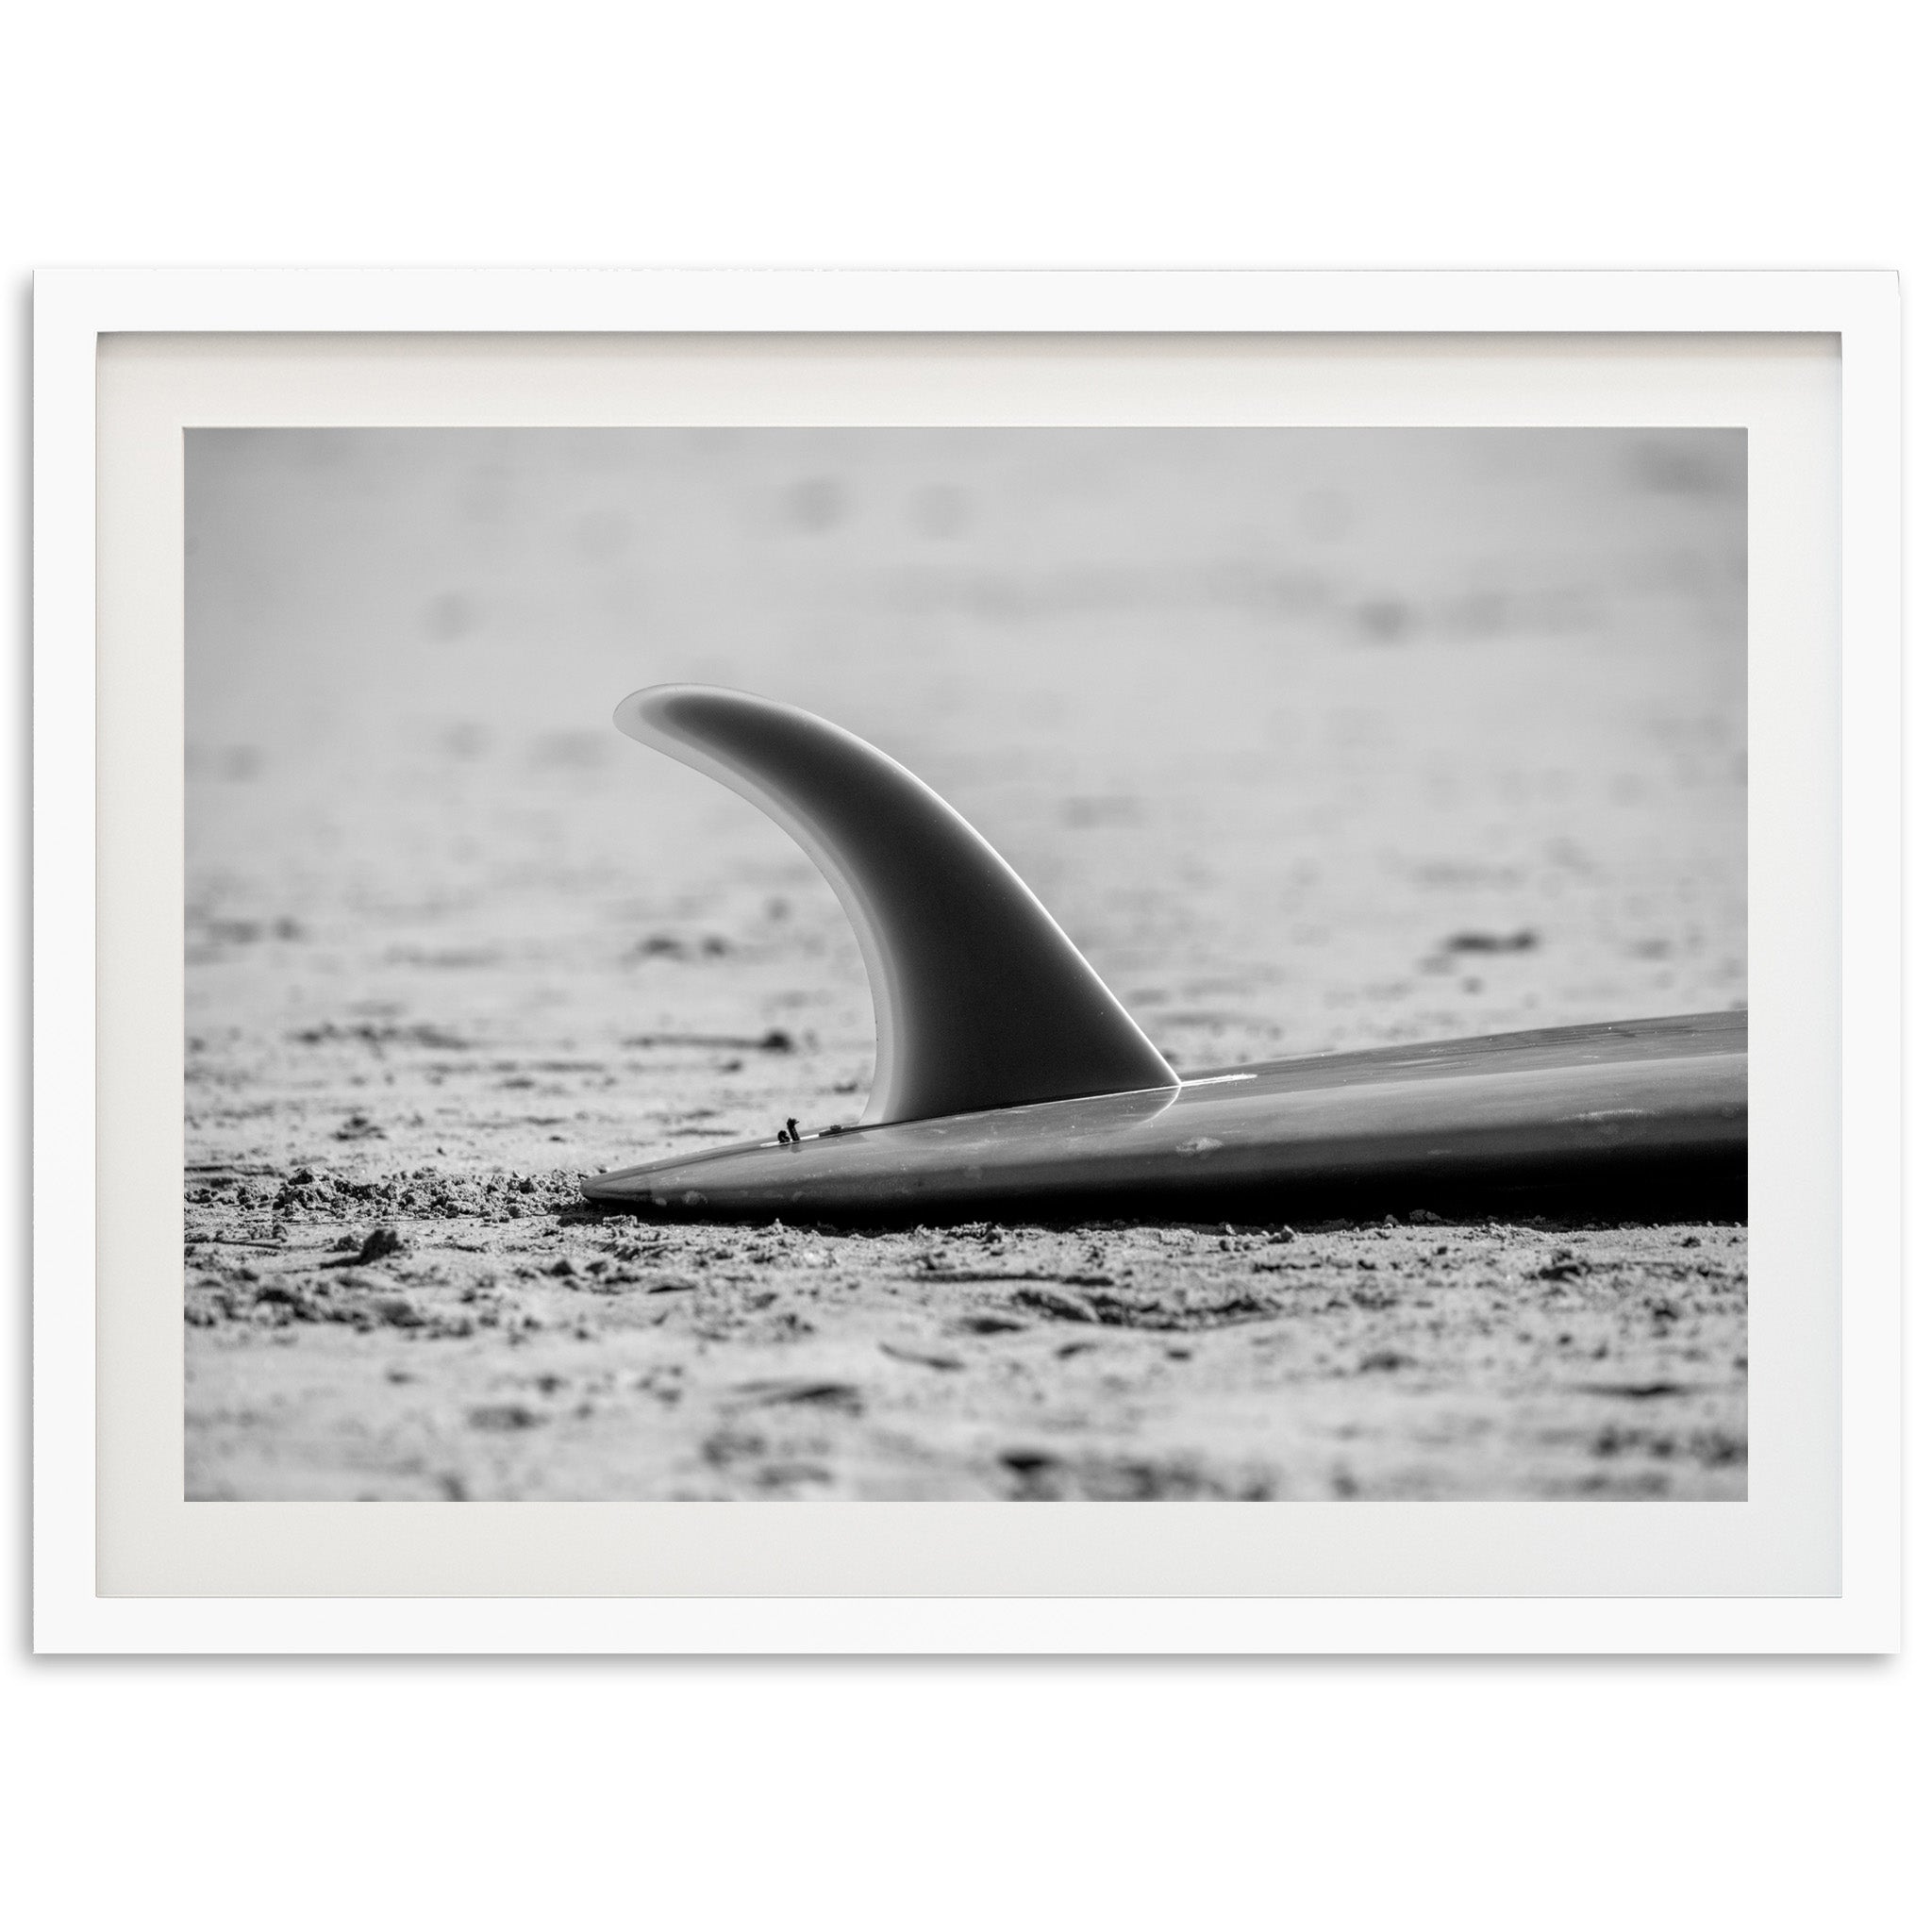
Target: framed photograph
[(696, 931)]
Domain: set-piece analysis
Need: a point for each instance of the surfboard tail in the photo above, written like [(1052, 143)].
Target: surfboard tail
[(1007, 1075)]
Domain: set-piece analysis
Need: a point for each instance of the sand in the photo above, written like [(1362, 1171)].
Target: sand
[(1309, 744)]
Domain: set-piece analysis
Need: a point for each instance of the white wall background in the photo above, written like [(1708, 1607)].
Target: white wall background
[(1682, 134)]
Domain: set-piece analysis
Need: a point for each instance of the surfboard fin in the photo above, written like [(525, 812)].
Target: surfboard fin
[(980, 1000)]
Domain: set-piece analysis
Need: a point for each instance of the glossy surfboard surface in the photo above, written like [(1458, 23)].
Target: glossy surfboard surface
[(1621, 1119)]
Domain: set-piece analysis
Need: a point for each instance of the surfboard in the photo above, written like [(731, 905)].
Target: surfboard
[(1010, 1083)]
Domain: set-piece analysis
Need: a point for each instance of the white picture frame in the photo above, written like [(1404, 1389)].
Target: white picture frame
[(89, 1524)]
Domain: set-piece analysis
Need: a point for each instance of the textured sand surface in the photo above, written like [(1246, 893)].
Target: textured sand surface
[(1310, 740)]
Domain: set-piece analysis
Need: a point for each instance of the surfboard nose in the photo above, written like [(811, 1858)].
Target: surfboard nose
[(979, 999)]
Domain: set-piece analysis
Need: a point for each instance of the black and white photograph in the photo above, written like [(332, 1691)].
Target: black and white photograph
[(906, 964), (798, 774)]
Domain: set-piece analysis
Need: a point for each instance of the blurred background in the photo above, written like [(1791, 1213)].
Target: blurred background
[(1310, 738)]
